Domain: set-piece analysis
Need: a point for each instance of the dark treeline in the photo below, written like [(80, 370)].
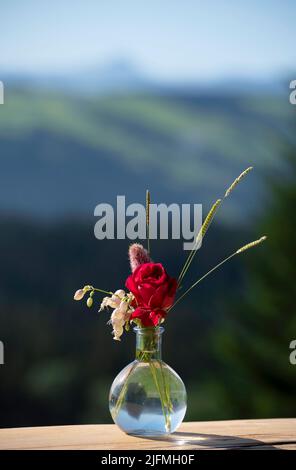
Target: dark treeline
[(60, 358), (228, 340)]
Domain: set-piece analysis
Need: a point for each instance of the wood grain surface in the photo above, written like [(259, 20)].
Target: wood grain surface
[(246, 434)]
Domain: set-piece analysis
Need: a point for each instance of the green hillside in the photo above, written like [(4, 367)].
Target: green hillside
[(185, 146)]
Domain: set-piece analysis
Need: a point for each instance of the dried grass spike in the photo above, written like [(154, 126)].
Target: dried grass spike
[(148, 219), (208, 220), (147, 207), (251, 245), (237, 181)]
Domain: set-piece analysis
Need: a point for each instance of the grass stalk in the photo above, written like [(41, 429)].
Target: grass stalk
[(199, 238), (207, 223), (237, 252), (148, 219)]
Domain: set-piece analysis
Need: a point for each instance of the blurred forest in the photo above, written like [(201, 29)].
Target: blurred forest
[(229, 341)]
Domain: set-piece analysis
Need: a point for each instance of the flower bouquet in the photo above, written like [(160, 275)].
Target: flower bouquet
[(147, 397)]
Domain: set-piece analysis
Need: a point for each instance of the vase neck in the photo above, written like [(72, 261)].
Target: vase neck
[(148, 343)]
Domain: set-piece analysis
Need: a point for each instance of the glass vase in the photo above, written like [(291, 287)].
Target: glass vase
[(148, 398)]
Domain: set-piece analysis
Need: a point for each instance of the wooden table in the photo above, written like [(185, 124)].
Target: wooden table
[(247, 434)]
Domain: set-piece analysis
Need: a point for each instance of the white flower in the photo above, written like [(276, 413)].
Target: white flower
[(120, 302), (123, 307), (120, 293), (113, 301), (117, 331), (117, 317), (109, 302)]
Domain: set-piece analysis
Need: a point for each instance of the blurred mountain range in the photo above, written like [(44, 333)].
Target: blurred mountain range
[(122, 75), (62, 151)]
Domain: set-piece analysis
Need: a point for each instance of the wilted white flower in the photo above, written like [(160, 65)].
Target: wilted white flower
[(124, 306), (109, 302), (113, 301), (120, 302), (117, 331), (120, 293), (117, 317)]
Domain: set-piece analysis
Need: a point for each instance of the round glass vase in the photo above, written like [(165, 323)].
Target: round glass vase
[(148, 398)]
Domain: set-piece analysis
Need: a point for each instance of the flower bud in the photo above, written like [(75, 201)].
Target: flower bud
[(87, 288), (79, 294), (89, 302)]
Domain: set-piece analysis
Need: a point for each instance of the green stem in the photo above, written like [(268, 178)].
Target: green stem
[(200, 236), (148, 219), (122, 393), (202, 278), (101, 290), (164, 406), (166, 389), (187, 264), (145, 353)]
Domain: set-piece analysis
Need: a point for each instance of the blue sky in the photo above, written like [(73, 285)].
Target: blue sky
[(167, 39)]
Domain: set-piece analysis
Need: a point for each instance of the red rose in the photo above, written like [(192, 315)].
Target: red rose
[(154, 291)]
